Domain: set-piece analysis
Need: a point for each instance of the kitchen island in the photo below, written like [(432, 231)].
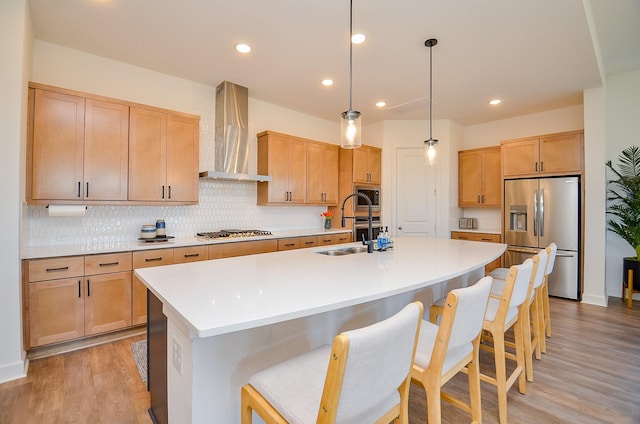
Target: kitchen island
[(227, 319)]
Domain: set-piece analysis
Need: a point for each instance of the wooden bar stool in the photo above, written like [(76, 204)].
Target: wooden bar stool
[(451, 347), (363, 378)]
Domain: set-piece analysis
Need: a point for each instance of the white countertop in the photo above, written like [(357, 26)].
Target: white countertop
[(226, 295), (125, 246)]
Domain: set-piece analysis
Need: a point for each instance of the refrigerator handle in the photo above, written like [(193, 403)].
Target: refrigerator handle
[(542, 212), (535, 213)]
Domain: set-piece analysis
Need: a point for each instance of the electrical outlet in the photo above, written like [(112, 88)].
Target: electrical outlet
[(176, 355)]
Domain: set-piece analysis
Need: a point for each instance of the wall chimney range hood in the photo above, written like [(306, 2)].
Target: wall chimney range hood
[(231, 135)]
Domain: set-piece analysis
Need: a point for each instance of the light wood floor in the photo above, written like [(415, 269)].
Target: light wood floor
[(590, 374)]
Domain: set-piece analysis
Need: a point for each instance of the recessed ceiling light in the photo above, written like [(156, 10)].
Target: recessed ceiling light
[(327, 82), (243, 48), (381, 104), (358, 38), (495, 102)]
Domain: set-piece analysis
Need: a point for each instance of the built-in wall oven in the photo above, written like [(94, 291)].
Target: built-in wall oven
[(373, 193), (361, 227)]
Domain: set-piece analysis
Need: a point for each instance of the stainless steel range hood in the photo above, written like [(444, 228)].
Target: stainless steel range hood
[(231, 136)]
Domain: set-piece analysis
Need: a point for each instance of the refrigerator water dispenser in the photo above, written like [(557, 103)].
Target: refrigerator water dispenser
[(518, 218)]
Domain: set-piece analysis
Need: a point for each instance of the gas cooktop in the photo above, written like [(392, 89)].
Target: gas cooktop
[(233, 233)]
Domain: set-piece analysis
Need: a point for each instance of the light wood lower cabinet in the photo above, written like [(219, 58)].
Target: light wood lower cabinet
[(71, 297), (242, 248), (486, 237), (56, 311), (145, 259), (96, 297)]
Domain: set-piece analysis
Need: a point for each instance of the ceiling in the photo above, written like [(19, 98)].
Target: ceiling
[(534, 55)]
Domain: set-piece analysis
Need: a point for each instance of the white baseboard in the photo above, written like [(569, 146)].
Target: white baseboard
[(594, 300), (14, 371)]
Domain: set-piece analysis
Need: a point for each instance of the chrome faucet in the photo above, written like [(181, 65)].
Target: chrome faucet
[(368, 243)]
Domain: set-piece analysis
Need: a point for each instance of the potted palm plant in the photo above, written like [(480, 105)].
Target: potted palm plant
[(624, 206)]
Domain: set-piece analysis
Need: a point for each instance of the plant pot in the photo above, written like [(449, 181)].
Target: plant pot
[(634, 265)]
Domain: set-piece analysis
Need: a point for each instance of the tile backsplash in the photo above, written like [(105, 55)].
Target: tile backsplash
[(488, 219), (223, 205)]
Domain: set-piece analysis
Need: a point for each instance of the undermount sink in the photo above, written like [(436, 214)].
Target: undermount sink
[(344, 251)]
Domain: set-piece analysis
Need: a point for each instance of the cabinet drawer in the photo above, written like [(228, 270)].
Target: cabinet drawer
[(327, 239), (308, 241), (461, 235), (190, 254), (491, 238), (289, 243), (148, 258), (56, 268), (241, 248), (103, 264), (343, 238)]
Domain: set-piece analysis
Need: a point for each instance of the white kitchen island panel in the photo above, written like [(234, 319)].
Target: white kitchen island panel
[(233, 317)]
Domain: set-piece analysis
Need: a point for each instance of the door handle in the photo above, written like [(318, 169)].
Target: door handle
[(535, 211), (541, 212), (399, 228)]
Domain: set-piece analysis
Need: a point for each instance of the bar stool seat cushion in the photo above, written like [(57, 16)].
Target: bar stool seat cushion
[(298, 399), (426, 342)]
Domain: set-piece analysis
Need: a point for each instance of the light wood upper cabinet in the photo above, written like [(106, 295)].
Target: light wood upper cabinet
[(106, 150), (83, 148), (163, 157), (554, 154), (183, 152), (283, 158), (78, 148), (367, 164), (479, 178), (322, 173), (56, 146)]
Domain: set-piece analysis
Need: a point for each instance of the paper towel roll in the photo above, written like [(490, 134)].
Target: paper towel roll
[(67, 210)]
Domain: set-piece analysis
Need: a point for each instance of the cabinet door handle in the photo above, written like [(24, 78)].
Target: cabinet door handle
[(536, 166), (169, 192), (162, 192), (79, 185), (309, 242), (192, 255), (541, 166), (153, 259), (88, 288), (79, 289), (64, 268), (478, 198), (289, 244), (483, 198), (87, 189), (110, 263)]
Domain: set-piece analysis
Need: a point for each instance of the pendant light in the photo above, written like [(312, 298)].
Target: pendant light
[(430, 145), (350, 137)]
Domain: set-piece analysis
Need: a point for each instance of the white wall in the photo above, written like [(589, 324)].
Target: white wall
[(15, 47), (623, 130), (553, 121), (594, 290), (411, 134)]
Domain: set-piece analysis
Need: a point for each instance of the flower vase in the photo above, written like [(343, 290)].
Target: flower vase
[(327, 224)]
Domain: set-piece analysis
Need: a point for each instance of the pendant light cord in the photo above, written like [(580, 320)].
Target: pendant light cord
[(350, 54), (430, 92)]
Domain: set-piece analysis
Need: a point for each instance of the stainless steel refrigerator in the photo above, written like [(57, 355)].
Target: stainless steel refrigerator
[(540, 211)]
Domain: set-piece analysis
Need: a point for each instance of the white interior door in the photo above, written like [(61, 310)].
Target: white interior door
[(415, 194)]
